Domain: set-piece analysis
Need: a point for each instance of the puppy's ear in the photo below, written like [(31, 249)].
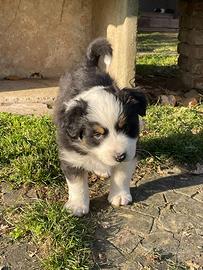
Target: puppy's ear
[(73, 121), (134, 99)]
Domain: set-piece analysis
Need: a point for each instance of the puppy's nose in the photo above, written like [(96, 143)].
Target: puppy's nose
[(120, 157)]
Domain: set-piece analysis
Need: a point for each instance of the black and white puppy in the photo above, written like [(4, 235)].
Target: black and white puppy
[(97, 129)]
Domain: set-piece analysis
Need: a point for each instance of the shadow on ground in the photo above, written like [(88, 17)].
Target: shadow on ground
[(185, 148), (152, 187), (155, 70), (148, 189)]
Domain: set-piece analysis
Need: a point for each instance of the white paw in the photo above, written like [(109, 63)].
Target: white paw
[(77, 208), (102, 175), (120, 199)]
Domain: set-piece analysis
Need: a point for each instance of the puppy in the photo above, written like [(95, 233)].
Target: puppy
[(97, 129)]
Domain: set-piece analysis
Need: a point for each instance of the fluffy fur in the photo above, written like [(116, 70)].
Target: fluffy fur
[(97, 129)]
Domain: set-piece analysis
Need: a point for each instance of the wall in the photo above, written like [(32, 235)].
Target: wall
[(190, 47), (45, 36)]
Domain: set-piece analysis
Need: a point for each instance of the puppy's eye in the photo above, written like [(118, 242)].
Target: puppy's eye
[(97, 136)]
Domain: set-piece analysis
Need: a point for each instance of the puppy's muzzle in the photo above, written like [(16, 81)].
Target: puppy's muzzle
[(120, 157)]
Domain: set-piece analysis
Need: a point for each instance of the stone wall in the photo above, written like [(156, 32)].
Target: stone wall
[(190, 47), (43, 36)]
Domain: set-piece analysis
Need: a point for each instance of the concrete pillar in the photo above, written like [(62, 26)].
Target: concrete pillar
[(190, 47), (117, 20)]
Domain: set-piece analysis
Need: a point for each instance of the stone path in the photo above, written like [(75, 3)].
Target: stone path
[(31, 96), (163, 227)]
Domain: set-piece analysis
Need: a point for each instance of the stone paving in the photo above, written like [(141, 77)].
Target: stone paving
[(31, 96), (163, 227)]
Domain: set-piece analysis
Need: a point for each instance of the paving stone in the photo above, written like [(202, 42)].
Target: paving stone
[(198, 196), (28, 96), (166, 215), (190, 239), (161, 240), (145, 208), (173, 222), (12, 198), (125, 240), (28, 91), (135, 265), (138, 223)]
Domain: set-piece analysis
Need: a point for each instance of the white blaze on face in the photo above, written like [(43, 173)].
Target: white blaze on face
[(114, 144), (105, 109)]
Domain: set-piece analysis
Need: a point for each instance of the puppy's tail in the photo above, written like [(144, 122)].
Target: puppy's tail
[(99, 47)]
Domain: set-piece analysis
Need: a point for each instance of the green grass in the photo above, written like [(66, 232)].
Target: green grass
[(174, 133), (156, 42), (157, 54), (28, 155), (64, 240)]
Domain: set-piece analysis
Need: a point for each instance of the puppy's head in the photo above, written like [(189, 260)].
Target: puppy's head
[(105, 124)]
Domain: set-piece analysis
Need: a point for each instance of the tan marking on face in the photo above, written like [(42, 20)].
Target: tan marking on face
[(98, 129), (121, 120)]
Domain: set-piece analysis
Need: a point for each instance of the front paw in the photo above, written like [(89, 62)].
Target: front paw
[(120, 199), (103, 174), (77, 208)]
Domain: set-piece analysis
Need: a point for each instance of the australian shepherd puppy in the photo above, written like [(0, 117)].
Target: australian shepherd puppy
[(97, 129)]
